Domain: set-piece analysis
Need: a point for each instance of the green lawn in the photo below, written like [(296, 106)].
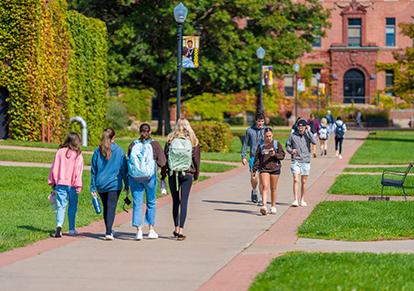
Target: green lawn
[(25, 213), (367, 185), (338, 271), (215, 168), (374, 170), (386, 147), (360, 221)]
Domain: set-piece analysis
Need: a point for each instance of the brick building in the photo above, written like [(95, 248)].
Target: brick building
[(363, 35)]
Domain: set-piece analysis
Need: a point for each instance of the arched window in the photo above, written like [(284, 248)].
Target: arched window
[(354, 86)]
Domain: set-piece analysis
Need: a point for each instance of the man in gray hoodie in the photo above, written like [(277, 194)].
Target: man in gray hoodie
[(253, 138), (299, 146)]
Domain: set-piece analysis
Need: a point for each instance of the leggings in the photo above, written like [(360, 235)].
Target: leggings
[(109, 201), (338, 144), (180, 202)]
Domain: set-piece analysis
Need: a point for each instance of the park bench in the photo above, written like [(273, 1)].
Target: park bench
[(387, 181)]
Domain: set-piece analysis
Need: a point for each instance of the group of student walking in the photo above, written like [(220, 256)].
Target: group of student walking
[(266, 155), (112, 171)]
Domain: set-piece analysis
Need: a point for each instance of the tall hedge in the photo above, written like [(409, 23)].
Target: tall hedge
[(35, 52), (87, 90)]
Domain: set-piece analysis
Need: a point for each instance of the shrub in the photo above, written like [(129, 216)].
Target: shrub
[(137, 102), (117, 115), (236, 120), (213, 136), (277, 121)]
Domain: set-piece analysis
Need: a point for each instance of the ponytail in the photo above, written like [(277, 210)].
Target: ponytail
[(106, 140)]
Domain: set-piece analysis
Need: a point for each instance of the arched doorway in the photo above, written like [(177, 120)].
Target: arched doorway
[(354, 86), (3, 113)]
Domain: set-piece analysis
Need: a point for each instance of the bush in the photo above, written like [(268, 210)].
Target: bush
[(375, 118), (277, 121), (236, 120), (213, 136), (137, 102), (117, 116)]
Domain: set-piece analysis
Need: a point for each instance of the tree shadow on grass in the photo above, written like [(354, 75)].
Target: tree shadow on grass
[(35, 229)]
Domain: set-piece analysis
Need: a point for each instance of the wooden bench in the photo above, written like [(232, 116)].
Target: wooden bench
[(395, 182)]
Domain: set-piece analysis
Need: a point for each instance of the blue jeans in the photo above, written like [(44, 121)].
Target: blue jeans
[(137, 189), (63, 194)]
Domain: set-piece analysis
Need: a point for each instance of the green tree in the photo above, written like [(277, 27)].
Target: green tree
[(404, 77), (143, 42)]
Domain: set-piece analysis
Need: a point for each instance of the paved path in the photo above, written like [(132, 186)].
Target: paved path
[(228, 241)]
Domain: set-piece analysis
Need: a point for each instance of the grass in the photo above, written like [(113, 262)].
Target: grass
[(374, 170), (367, 185), (360, 221), (386, 147), (338, 271), (25, 213), (215, 168)]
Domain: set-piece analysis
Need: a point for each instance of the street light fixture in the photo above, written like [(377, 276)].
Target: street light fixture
[(318, 78), (180, 14), (296, 68), (260, 52)]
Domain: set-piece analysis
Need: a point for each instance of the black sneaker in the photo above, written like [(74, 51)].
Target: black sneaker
[(325, 152), (254, 196), (58, 231)]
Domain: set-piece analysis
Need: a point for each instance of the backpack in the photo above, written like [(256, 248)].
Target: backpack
[(340, 130), (323, 133), (141, 163), (180, 155)]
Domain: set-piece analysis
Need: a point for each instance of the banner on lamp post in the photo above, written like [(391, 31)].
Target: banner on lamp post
[(191, 48), (267, 76), (301, 85)]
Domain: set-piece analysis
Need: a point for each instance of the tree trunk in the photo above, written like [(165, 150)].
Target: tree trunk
[(163, 95)]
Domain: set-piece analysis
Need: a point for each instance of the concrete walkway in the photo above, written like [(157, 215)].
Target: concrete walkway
[(228, 241)]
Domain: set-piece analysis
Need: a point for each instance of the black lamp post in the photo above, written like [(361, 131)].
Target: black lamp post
[(260, 52), (318, 78), (296, 69), (180, 13)]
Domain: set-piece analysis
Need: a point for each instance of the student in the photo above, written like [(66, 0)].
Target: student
[(183, 166), (314, 129), (144, 154), (330, 119), (339, 129), (65, 177), (323, 135), (298, 145), (253, 138), (295, 125), (108, 170), (267, 162)]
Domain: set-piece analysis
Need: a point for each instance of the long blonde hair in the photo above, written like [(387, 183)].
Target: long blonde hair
[(183, 130), (324, 122)]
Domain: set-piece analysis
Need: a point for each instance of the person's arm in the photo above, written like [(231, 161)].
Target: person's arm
[(311, 136), (164, 169), (256, 160), (124, 172), (246, 142), (94, 172), (51, 181), (289, 145), (196, 161), (78, 173), (344, 125), (280, 153)]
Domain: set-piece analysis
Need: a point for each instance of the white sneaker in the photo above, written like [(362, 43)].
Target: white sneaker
[(139, 235), (340, 157), (295, 203), (303, 203), (337, 153), (152, 234), (273, 210), (73, 232), (109, 237)]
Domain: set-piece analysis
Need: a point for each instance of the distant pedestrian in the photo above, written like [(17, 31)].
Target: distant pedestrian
[(314, 129), (323, 135), (253, 138), (267, 163), (339, 130), (330, 120), (359, 119), (65, 177), (144, 155), (183, 167), (299, 146), (108, 170)]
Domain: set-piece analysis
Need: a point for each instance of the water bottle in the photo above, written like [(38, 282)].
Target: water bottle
[(163, 187), (96, 204)]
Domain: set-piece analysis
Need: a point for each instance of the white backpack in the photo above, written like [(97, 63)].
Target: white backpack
[(141, 163), (180, 155), (323, 133)]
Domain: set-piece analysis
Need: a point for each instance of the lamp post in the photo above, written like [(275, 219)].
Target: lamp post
[(318, 78), (296, 69), (260, 52), (180, 13)]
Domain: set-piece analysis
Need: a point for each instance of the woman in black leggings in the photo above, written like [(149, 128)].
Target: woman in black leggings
[(181, 148), (339, 129)]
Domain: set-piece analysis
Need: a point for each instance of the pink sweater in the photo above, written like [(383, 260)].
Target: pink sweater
[(67, 171)]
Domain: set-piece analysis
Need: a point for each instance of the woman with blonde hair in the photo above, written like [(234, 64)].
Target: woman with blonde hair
[(323, 135), (182, 151)]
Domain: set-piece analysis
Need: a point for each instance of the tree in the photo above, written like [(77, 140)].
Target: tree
[(143, 42), (404, 78)]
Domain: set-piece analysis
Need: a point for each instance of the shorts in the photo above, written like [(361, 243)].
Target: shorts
[(276, 172), (300, 168), (251, 163)]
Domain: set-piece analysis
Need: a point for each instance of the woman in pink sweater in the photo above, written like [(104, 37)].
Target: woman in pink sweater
[(66, 180)]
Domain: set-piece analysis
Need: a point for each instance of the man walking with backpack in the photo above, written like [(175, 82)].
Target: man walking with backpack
[(339, 128), (253, 138)]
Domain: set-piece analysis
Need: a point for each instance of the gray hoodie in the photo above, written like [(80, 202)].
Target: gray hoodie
[(254, 136), (302, 144)]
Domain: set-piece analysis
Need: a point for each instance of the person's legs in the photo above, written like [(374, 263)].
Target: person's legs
[(304, 174), (336, 145), (176, 200), (104, 199), (253, 181), (341, 140), (264, 186), (137, 191), (112, 201), (273, 189), (294, 167), (73, 208), (151, 198), (61, 202), (186, 183)]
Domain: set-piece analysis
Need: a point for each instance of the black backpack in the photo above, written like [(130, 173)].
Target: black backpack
[(340, 130)]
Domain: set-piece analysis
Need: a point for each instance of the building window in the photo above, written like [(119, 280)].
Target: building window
[(390, 32), (288, 84), (354, 32), (317, 42), (389, 82)]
